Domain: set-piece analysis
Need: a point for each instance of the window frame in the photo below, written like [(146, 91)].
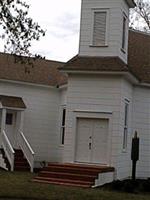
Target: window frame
[(9, 119), (124, 32), (63, 125), (94, 10), (125, 129)]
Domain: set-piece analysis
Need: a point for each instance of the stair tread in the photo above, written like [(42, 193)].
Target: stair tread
[(84, 167), (63, 180), (84, 170), (67, 173), (61, 183), (81, 166)]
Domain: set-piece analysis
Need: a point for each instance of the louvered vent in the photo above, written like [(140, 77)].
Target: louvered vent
[(99, 32)]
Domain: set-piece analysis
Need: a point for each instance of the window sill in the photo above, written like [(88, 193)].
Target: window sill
[(106, 45)]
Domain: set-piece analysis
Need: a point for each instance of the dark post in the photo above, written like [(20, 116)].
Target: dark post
[(134, 154)]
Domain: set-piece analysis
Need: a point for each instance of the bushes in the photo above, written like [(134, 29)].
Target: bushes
[(129, 186)]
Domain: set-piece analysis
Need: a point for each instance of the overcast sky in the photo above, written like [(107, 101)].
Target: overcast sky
[(60, 19)]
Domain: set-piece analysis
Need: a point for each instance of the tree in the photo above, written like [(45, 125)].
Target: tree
[(140, 16), (18, 30)]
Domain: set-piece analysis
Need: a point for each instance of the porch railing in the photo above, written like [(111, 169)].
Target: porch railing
[(27, 150), (8, 149)]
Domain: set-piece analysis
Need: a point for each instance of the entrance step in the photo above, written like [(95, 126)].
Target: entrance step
[(20, 162), (72, 174)]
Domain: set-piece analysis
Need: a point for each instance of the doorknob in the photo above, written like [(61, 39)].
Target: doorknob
[(90, 145)]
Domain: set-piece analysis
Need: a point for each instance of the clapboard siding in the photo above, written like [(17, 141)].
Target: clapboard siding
[(41, 117), (100, 93), (116, 9), (141, 123)]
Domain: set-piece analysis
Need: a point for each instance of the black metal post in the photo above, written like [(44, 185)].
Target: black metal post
[(134, 154)]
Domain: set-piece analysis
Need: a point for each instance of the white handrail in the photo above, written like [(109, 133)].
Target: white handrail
[(27, 150), (8, 149)]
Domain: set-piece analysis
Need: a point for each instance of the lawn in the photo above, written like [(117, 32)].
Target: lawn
[(19, 185)]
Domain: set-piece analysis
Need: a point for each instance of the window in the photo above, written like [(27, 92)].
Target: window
[(125, 134), (63, 126), (99, 29), (124, 32), (9, 118)]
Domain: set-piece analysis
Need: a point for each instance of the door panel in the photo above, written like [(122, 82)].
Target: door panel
[(84, 130), (92, 139), (99, 142)]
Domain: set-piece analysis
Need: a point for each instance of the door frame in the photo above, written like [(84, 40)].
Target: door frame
[(91, 114)]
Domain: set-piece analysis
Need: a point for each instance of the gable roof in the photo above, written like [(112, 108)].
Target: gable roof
[(44, 72), (138, 59)]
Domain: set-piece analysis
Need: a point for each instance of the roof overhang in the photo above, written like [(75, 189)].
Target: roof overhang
[(129, 76), (131, 3), (12, 102)]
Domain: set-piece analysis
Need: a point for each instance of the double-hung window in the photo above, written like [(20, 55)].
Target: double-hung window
[(63, 118), (125, 133), (124, 32)]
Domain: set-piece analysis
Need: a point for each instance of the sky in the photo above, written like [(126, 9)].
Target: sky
[(61, 20)]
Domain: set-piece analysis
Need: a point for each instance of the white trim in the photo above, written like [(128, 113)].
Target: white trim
[(13, 108), (62, 108), (128, 75), (93, 10), (93, 111), (126, 126), (65, 86), (27, 83), (125, 34)]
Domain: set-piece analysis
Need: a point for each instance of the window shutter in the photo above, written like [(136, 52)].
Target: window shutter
[(99, 32)]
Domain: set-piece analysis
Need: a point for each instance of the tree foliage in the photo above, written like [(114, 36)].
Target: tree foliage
[(18, 30), (140, 15)]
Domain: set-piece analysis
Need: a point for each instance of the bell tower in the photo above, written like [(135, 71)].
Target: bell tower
[(104, 28)]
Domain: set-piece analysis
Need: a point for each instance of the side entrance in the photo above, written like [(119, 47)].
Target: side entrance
[(92, 140)]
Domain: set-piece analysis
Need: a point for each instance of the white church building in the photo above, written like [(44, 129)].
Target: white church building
[(78, 118)]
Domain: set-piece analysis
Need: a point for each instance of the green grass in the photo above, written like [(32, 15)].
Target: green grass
[(19, 185)]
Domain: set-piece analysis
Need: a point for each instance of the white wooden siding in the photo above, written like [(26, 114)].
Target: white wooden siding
[(141, 123), (40, 119), (100, 93), (116, 9)]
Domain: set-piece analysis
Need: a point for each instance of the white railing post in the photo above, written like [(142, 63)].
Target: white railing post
[(8, 149), (27, 150)]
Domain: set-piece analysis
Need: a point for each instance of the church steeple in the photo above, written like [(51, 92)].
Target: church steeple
[(104, 28)]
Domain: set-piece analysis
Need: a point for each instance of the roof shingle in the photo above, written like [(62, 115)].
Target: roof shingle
[(43, 72)]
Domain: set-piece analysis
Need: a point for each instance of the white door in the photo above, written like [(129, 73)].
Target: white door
[(92, 139), (10, 126)]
